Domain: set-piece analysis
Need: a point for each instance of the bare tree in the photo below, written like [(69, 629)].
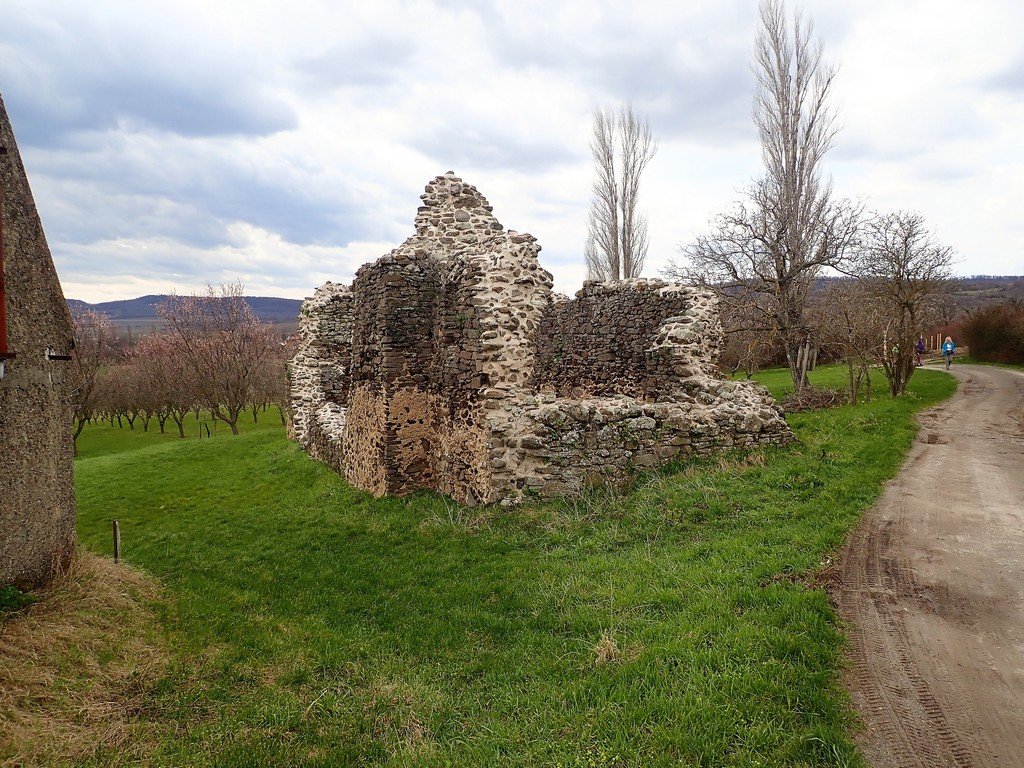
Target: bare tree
[(769, 248), (748, 347), (224, 344), (94, 334), (604, 260), (905, 269), (617, 243), (165, 379), (121, 392), (848, 321), (274, 387)]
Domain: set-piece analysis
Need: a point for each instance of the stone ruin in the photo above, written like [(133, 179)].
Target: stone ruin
[(450, 364)]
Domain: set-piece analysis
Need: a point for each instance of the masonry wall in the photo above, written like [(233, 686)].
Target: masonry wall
[(603, 341), (37, 500), (626, 380), (449, 364), (566, 444)]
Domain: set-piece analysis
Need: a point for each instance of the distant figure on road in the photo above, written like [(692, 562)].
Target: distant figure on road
[(919, 352), (948, 350)]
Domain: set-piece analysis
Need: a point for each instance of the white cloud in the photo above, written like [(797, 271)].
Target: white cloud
[(170, 144), (265, 263)]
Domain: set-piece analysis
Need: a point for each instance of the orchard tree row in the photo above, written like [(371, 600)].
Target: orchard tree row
[(213, 355)]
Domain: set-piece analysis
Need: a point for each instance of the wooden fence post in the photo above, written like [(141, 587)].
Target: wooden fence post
[(117, 542)]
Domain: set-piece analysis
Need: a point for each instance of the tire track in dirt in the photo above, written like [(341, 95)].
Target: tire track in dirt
[(932, 589)]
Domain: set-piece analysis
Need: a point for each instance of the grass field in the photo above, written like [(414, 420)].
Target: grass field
[(780, 383), (313, 625), (101, 439)]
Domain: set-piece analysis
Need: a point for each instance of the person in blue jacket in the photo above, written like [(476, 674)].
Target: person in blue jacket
[(948, 350)]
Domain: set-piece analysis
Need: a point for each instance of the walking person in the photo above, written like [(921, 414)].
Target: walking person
[(919, 352), (948, 350)]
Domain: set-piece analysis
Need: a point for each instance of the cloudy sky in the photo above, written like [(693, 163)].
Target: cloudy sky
[(285, 144)]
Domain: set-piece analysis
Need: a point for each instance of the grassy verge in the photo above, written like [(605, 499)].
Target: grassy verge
[(971, 361), (313, 625), (77, 666), (780, 383)]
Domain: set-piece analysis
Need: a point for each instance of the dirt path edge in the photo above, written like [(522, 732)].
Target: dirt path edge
[(931, 589)]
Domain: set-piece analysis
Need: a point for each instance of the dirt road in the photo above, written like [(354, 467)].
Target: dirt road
[(932, 589)]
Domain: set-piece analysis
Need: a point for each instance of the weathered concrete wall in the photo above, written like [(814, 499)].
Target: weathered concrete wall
[(455, 368), (37, 499)]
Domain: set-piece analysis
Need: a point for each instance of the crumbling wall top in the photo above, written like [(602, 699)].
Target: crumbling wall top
[(455, 212)]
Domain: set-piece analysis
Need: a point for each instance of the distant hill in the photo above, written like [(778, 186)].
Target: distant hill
[(978, 290), (973, 291), (142, 311)]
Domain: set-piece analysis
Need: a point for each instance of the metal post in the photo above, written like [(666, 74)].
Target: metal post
[(117, 542)]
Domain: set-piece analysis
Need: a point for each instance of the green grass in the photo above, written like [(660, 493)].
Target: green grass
[(313, 625), (972, 361), (101, 439), (13, 599), (780, 383)]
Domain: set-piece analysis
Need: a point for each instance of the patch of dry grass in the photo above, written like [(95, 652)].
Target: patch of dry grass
[(455, 515), (607, 651), (76, 664)]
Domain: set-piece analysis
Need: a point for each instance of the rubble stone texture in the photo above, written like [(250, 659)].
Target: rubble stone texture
[(37, 497), (449, 364)]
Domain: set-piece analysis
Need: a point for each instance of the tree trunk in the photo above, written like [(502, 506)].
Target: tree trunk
[(793, 356), (231, 419)]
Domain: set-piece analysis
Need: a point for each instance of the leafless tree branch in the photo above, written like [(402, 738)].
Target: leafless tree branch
[(772, 244), (617, 244)]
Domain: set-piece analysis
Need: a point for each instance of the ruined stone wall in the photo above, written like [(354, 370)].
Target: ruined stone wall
[(37, 498), (436, 330), (566, 444), (603, 342), (450, 365), (393, 365)]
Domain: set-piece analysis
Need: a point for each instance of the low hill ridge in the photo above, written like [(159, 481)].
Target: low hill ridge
[(270, 309)]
